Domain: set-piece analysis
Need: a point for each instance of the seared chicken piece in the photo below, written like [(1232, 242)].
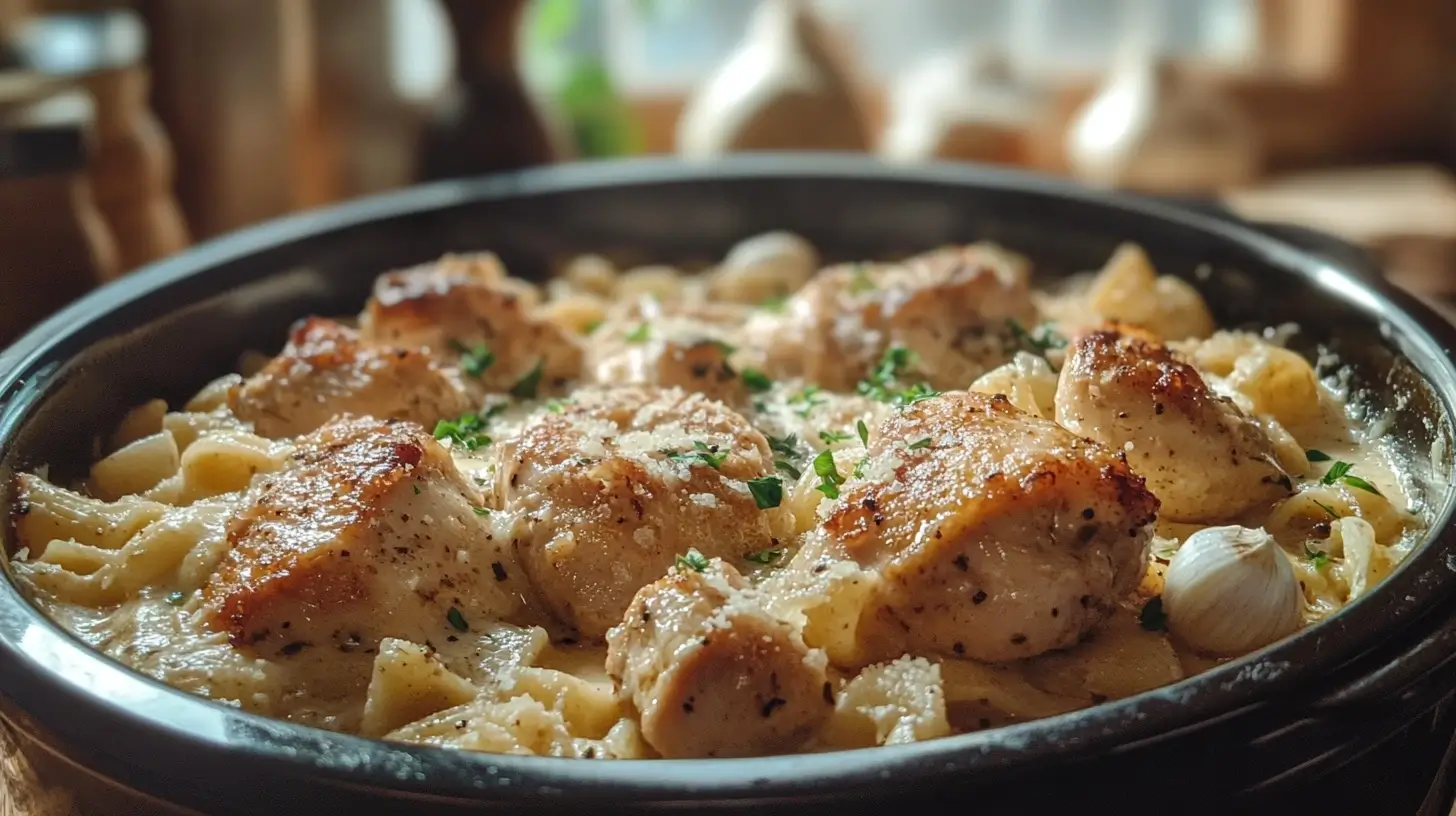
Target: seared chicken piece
[(325, 371), (619, 484), (465, 305), (996, 535), (372, 533), (951, 308), (711, 673), (1202, 457), (681, 352)]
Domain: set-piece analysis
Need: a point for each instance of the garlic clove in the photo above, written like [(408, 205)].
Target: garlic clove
[(1231, 590)]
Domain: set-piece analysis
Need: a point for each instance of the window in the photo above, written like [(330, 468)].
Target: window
[(668, 46)]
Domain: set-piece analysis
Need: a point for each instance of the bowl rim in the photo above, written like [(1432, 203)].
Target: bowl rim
[(49, 673)]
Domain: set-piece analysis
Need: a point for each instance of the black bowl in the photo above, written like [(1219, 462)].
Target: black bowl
[(1285, 715)]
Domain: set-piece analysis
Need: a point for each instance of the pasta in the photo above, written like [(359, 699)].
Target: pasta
[(759, 509)]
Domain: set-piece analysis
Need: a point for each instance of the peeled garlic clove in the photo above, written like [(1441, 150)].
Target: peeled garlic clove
[(1230, 590)]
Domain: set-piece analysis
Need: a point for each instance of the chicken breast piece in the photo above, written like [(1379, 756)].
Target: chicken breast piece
[(464, 306), (951, 308), (619, 484), (669, 352), (996, 535), (325, 371), (372, 533), (711, 673), (1204, 458)]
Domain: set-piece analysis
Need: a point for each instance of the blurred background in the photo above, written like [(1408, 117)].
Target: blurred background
[(129, 130)]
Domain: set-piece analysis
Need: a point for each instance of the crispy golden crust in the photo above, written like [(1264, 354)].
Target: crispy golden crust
[(1204, 458), (325, 371), (464, 302), (343, 471)]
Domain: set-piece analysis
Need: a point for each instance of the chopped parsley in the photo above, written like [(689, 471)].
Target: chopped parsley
[(859, 281), (1153, 618), (774, 304), (556, 406), (457, 620), (1317, 455), (756, 380), (1340, 472), (639, 334), (919, 444), (829, 478), (723, 347), (1316, 557), (591, 328), (708, 455), (177, 598), (809, 398), (481, 511), (467, 431), (1039, 340), (784, 445), (768, 491), (416, 489), (863, 431), (834, 437), (1326, 508), (884, 382), (692, 560), (765, 556), (525, 387), (474, 360), (858, 471)]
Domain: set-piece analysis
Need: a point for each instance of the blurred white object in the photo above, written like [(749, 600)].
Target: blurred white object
[(962, 104), (781, 89), (1155, 128)]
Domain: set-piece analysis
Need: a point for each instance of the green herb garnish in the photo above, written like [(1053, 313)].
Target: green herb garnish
[(591, 328), (1326, 508), (788, 467), (765, 556), (457, 620), (829, 478), (833, 437), (692, 560), (474, 360), (919, 444), (481, 511), (639, 334), (768, 491), (774, 304), (756, 380), (1340, 472), (809, 397), (556, 406), (1152, 617), (784, 445), (723, 347), (525, 387), (467, 431), (1317, 557), (859, 281), (416, 488), (1316, 455), (1039, 340), (863, 431), (177, 598), (884, 384), (709, 456)]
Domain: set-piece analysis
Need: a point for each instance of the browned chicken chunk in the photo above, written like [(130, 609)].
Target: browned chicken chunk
[(325, 371), (951, 308), (466, 307), (995, 535), (372, 533), (711, 673), (621, 482), (1203, 457)]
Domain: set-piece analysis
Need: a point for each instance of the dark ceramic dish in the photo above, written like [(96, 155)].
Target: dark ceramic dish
[(1283, 716)]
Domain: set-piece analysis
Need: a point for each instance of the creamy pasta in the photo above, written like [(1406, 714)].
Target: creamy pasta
[(765, 508)]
